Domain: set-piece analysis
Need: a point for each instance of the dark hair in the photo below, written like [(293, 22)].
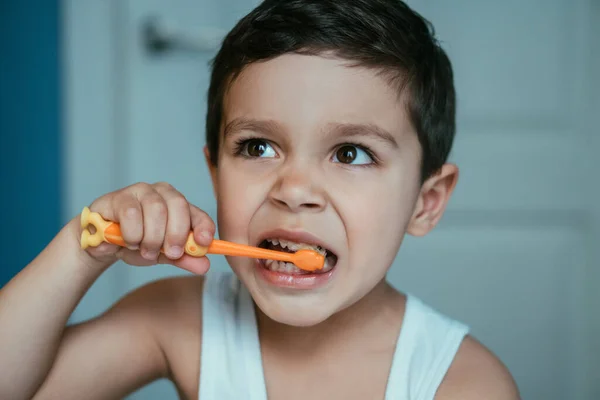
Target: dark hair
[(382, 34)]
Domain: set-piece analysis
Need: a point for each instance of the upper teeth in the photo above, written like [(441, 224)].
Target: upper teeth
[(293, 246)]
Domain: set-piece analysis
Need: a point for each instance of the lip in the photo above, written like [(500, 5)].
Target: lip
[(303, 281), (296, 236)]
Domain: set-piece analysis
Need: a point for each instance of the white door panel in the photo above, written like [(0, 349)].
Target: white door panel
[(514, 60), (520, 169)]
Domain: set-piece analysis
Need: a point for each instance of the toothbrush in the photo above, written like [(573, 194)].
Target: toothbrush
[(110, 232)]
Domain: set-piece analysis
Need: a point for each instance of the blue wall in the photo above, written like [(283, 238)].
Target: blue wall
[(30, 134)]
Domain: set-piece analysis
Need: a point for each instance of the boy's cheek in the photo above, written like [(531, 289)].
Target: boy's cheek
[(232, 223), (376, 226), (237, 202)]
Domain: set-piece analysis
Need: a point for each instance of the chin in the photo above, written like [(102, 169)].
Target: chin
[(285, 305), (293, 312)]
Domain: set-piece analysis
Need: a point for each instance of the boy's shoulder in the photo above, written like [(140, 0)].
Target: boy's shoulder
[(183, 293), (171, 310), (477, 373), (169, 305)]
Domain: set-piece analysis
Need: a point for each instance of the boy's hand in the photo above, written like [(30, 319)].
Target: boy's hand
[(151, 217)]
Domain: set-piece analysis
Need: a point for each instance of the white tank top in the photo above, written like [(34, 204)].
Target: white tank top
[(231, 363)]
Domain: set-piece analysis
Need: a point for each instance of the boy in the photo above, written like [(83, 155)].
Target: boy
[(329, 124)]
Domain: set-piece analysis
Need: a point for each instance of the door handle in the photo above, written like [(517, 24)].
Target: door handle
[(160, 36)]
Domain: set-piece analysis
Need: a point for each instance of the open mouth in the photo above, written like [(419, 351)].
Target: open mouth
[(289, 246)]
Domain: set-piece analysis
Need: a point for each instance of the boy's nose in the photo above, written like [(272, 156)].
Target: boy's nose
[(296, 191)]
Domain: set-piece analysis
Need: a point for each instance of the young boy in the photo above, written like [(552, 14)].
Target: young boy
[(329, 124)]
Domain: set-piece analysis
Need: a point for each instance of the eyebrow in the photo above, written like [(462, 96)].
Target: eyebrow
[(347, 130), (247, 124)]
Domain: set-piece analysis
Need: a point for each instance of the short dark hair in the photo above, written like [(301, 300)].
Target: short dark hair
[(382, 34)]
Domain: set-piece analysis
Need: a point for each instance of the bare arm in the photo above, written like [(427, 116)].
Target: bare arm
[(477, 373), (34, 308), (118, 351), (123, 349)]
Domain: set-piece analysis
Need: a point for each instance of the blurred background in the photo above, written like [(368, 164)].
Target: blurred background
[(97, 95)]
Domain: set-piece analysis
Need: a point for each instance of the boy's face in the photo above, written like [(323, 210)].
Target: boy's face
[(313, 151)]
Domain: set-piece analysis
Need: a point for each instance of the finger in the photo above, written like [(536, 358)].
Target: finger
[(104, 251), (154, 210), (108, 207), (104, 206), (178, 220), (133, 257), (129, 215), (195, 265), (202, 225), (123, 206)]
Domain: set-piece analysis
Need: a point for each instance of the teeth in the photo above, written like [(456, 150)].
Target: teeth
[(272, 265), (295, 246), (281, 266), (291, 245), (289, 268)]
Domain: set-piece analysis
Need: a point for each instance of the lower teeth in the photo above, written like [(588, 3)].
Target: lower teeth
[(289, 268)]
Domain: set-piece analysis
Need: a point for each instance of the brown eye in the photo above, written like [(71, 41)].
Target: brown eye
[(258, 148), (346, 154), (353, 154)]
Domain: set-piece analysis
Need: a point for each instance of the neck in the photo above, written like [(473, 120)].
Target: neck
[(382, 306)]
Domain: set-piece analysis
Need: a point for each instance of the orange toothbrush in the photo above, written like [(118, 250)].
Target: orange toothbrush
[(108, 231)]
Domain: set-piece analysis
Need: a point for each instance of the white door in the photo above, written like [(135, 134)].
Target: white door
[(515, 255)]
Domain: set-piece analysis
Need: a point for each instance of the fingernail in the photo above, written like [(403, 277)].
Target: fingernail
[(205, 235), (150, 255), (174, 251)]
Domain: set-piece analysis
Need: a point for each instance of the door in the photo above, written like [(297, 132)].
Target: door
[(514, 257)]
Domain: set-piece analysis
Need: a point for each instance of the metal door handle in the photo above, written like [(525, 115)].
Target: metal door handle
[(160, 37)]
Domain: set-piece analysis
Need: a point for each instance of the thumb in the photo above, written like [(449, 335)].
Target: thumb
[(202, 225), (195, 265)]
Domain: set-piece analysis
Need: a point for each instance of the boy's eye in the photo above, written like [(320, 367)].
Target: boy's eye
[(350, 154), (257, 148)]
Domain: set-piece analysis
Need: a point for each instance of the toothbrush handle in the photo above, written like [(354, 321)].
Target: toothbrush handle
[(110, 232), (113, 235)]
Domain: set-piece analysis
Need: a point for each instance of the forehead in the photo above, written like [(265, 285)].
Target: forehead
[(308, 92)]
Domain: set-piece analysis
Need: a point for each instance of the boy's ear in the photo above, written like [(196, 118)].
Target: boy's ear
[(212, 169), (433, 199)]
